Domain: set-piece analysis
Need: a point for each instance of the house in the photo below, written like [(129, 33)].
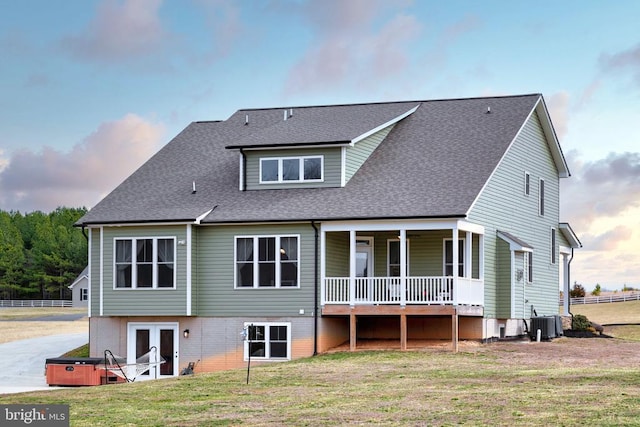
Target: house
[(306, 228), (80, 289)]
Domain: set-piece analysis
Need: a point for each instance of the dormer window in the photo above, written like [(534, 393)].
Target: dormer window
[(291, 169)]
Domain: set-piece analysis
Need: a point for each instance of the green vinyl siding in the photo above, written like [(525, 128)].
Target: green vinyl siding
[(140, 302), (503, 206), (502, 293), (216, 294), (94, 274), (359, 153), (337, 254), (332, 167), (519, 291)]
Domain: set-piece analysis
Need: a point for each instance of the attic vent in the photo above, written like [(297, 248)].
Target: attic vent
[(488, 110)]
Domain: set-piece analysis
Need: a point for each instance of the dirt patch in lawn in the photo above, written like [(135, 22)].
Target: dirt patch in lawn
[(574, 352), (564, 351)]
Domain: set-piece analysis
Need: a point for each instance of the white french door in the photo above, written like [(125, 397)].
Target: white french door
[(162, 339)]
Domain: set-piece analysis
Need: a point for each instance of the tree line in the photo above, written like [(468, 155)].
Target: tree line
[(41, 254)]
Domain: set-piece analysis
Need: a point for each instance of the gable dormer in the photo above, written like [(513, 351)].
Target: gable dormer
[(312, 147)]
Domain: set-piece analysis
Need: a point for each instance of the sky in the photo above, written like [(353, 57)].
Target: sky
[(90, 89)]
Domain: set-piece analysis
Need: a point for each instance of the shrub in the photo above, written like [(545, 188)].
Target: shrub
[(596, 291), (580, 323)]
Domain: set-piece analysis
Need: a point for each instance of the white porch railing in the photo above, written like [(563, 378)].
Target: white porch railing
[(388, 290)]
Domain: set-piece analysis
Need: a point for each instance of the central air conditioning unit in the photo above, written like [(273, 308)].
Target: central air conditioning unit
[(546, 325)]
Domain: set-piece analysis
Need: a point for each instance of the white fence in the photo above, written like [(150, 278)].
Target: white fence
[(621, 297), (36, 303)]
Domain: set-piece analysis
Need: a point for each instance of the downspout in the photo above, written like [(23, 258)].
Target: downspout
[(569, 278), (244, 170), (316, 290)]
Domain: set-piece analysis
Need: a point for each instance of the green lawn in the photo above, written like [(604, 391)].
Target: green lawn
[(495, 384), (607, 313), (568, 382)]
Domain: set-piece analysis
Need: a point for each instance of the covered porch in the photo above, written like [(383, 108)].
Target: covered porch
[(400, 269)]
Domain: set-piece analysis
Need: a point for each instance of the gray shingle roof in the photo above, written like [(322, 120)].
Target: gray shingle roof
[(433, 163), (312, 125)]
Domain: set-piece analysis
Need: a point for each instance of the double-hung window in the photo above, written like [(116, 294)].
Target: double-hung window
[(144, 263), (268, 341), (553, 246), (291, 169), (84, 294), (267, 261), (448, 257), (394, 258), (541, 197)]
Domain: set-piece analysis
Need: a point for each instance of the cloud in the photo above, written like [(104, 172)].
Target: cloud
[(626, 60), (602, 202), (558, 105), (50, 178), (609, 240), (3, 162), (120, 31), (600, 188), (355, 41)]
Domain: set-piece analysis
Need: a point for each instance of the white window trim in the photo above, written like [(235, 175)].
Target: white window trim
[(541, 197), (256, 264), (267, 356), (134, 268), (300, 179), (527, 185), (84, 294), (389, 255), (461, 241)]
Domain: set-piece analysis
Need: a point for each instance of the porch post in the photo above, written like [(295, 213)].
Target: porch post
[(323, 265), (454, 331), (456, 262), (403, 332), (403, 268), (468, 255), (481, 257), (352, 332), (352, 267)]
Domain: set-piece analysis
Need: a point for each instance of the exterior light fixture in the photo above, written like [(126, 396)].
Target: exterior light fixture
[(185, 333)]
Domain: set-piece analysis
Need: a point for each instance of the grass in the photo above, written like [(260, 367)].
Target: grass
[(615, 312), (567, 382), (382, 388), (82, 351), (24, 313), (17, 323)]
